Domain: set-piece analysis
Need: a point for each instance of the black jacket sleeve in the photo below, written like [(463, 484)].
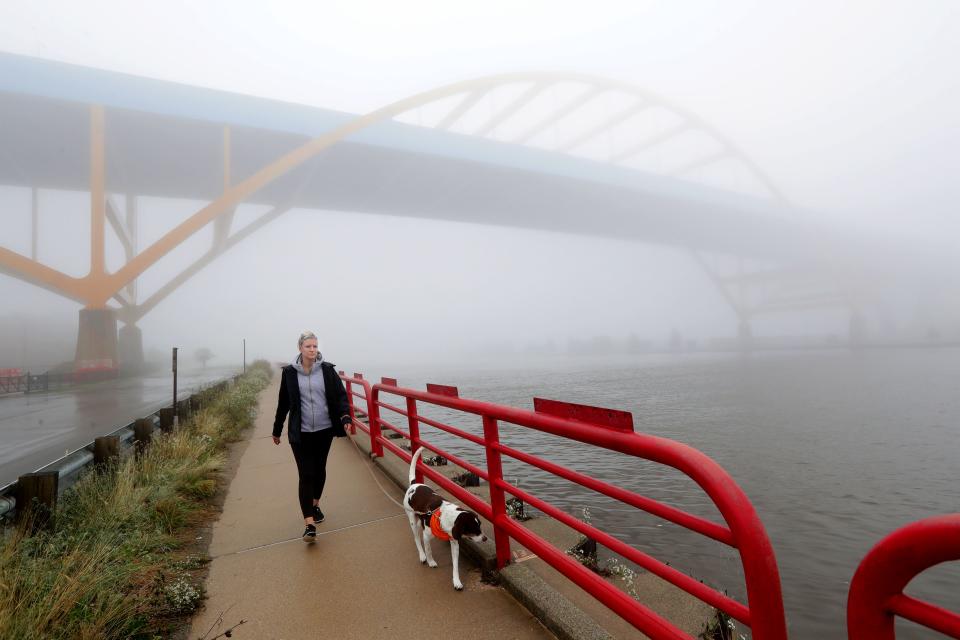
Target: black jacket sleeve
[(337, 402), (283, 406), (343, 405)]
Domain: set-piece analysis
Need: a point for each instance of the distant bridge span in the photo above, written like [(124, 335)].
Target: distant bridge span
[(68, 127)]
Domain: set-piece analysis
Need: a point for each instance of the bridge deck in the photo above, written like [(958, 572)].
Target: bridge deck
[(164, 139), (361, 579)]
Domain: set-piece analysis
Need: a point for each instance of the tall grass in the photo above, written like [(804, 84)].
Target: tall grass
[(114, 563)]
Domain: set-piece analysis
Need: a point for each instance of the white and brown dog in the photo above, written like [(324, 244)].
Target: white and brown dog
[(433, 517)]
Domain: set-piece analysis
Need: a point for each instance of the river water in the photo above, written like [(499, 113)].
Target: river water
[(835, 449)]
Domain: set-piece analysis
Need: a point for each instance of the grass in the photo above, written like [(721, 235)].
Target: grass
[(116, 563)]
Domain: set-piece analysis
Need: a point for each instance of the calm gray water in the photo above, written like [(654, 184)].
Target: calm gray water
[(835, 450)]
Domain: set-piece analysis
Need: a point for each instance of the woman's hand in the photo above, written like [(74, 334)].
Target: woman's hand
[(276, 440)]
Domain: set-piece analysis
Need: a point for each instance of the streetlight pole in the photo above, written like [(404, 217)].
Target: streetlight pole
[(175, 417)]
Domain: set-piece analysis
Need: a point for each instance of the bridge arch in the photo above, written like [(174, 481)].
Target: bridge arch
[(97, 288)]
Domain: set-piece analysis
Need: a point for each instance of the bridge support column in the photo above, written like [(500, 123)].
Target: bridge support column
[(131, 348), (97, 340)]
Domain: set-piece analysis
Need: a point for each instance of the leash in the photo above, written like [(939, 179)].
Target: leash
[(297, 539), (369, 466)]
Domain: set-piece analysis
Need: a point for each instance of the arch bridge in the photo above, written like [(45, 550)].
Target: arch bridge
[(560, 152)]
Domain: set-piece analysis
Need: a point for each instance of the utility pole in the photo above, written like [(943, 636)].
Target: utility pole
[(175, 418), (244, 355)]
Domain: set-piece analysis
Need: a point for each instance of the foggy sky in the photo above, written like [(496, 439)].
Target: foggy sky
[(853, 109)]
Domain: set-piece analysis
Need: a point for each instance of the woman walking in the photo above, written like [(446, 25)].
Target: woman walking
[(313, 394)]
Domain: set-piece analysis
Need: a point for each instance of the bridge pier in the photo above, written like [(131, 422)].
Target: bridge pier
[(131, 348), (96, 340)]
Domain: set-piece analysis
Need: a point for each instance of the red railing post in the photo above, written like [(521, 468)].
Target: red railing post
[(497, 499), (413, 424), (353, 414), (876, 590), (373, 397), (373, 413)]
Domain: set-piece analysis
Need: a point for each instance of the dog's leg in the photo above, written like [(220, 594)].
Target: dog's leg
[(455, 556), (427, 537), (415, 527)]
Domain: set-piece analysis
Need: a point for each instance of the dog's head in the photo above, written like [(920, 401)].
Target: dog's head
[(467, 525)]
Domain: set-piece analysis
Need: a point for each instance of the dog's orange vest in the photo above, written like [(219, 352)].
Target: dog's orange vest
[(435, 527)]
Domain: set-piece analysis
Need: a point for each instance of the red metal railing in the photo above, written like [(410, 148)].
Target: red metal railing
[(612, 430), (29, 382), (876, 591)]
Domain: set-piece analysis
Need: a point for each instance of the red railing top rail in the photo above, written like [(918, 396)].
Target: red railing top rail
[(357, 379), (876, 591), (703, 470), (614, 431)]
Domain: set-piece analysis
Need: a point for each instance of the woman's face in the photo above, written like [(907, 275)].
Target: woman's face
[(309, 349)]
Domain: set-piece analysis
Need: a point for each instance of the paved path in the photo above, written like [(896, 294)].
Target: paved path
[(361, 579)]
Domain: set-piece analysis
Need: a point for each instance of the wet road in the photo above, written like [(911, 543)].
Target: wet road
[(38, 428)]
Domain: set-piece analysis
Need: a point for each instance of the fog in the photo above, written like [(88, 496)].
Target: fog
[(851, 110)]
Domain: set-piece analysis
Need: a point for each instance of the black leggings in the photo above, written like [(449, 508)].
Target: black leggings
[(311, 456)]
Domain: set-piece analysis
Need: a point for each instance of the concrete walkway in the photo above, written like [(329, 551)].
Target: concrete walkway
[(361, 579)]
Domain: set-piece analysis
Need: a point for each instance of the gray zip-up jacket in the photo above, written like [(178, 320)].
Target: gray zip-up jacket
[(336, 406), (313, 400)]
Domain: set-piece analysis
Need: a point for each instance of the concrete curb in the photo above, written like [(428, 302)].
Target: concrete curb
[(557, 613)]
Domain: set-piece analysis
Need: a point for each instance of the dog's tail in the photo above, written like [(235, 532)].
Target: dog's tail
[(413, 465)]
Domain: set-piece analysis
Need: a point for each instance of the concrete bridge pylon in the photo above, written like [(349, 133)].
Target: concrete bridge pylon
[(97, 340), (130, 348)]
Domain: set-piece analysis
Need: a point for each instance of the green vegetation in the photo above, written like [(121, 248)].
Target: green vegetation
[(720, 627), (117, 563)]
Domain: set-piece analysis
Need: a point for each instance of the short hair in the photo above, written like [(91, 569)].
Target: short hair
[(306, 335)]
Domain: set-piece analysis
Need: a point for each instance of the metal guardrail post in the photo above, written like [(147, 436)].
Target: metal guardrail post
[(105, 449), (166, 418), (142, 433), (353, 413), (183, 411), (413, 424), (498, 503), (175, 405), (373, 411), (37, 498)]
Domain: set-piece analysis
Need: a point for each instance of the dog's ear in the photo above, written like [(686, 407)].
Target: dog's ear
[(467, 523), (458, 525)]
